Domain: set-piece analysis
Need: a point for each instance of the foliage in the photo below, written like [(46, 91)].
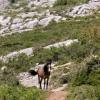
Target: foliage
[(70, 2), (85, 31), (88, 72), (20, 93), (84, 92), (20, 63), (85, 80)]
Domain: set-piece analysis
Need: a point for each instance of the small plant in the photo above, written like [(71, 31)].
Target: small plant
[(70, 2)]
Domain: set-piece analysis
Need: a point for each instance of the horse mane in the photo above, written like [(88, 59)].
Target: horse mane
[(46, 67)]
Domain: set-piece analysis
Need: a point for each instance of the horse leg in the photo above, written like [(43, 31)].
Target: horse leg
[(40, 83), (44, 83), (38, 79), (47, 83)]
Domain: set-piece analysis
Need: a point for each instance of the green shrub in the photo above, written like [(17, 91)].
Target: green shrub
[(8, 77), (70, 2), (88, 72), (84, 92), (20, 93), (20, 63)]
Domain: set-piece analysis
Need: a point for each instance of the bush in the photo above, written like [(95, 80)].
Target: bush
[(20, 93), (88, 72), (70, 2), (20, 63), (8, 77), (84, 92)]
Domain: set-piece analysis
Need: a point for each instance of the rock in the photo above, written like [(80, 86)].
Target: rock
[(60, 44), (27, 80), (3, 4), (44, 3), (17, 20), (4, 30), (16, 26), (57, 18), (85, 9), (4, 68), (32, 23), (27, 51), (27, 15), (5, 21), (45, 21)]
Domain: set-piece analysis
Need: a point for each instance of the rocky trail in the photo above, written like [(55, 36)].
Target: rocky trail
[(58, 95), (32, 81)]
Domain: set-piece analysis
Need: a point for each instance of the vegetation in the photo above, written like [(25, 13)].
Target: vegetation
[(85, 80), (20, 93), (10, 89), (84, 76), (70, 2), (86, 31)]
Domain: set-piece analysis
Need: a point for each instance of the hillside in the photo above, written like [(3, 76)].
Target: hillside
[(66, 31)]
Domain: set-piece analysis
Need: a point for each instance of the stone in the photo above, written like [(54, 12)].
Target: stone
[(32, 23), (3, 4), (5, 21), (4, 30), (17, 20), (16, 26), (27, 51), (45, 21), (27, 15), (84, 9), (60, 44)]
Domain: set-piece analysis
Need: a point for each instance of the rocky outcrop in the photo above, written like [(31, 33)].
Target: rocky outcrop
[(60, 44), (26, 21), (3, 4), (85, 9), (27, 51)]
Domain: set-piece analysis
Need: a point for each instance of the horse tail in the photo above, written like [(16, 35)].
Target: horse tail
[(33, 72)]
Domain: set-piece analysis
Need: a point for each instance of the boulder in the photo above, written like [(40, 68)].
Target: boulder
[(27, 51), (16, 26), (60, 44), (45, 21), (5, 21), (85, 9), (31, 24), (17, 20)]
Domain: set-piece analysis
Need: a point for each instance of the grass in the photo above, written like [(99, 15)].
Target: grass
[(70, 2), (84, 92), (10, 89), (20, 93), (84, 81), (39, 37)]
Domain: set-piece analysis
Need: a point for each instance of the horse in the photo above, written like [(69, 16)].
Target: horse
[(43, 73)]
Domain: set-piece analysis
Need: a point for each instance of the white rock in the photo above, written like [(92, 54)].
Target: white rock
[(3, 4), (60, 44), (63, 19), (16, 26), (4, 21), (45, 21), (84, 9), (26, 15), (32, 23), (44, 3), (17, 20), (27, 51), (4, 30), (57, 18), (4, 68)]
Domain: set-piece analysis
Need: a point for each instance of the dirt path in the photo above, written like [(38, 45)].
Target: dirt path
[(58, 95)]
